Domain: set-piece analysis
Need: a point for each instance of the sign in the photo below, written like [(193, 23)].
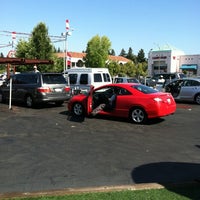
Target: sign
[(13, 35)]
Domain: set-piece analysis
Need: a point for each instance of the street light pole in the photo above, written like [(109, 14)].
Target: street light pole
[(159, 57), (65, 50), (65, 34)]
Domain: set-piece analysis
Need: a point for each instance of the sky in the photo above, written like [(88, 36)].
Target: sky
[(139, 24)]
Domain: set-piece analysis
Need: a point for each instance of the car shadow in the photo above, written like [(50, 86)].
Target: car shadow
[(174, 176), (120, 119), (36, 106), (73, 118)]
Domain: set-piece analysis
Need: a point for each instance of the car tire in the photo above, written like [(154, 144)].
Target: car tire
[(197, 99), (138, 115), (29, 101), (78, 109), (59, 103)]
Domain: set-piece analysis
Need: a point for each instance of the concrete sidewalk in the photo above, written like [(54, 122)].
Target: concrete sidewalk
[(69, 191)]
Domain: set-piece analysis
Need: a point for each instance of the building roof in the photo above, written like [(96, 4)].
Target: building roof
[(166, 47), (81, 55), (119, 58)]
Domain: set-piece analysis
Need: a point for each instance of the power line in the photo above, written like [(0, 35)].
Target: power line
[(21, 33)]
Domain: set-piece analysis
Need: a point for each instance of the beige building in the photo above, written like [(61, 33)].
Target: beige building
[(168, 59)]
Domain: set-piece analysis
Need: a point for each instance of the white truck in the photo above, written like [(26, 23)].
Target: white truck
[(81, 79)]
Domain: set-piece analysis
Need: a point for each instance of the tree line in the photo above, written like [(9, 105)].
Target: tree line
[(98, 49)]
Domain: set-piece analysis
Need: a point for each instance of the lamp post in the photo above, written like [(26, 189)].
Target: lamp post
[(65, 34), (159, 60), (159, 57)]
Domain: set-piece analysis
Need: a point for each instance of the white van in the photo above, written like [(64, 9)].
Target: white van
[(82, 78)]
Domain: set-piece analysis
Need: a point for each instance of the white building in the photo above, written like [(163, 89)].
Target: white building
[(168, 59)]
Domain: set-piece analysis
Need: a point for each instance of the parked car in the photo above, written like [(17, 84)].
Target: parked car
[(168, 77), (80, 79), (125, 80), (186, 89), (133, 100), (35, 88)]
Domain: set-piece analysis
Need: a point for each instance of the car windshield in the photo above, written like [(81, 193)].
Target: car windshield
[(54, 79), (144, 89), (132, 80)]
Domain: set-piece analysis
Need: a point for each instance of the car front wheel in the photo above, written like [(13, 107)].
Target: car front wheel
[(138, 115), (197, 99), (78, 109)]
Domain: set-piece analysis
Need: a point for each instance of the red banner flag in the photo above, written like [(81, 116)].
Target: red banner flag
[(67, 24)]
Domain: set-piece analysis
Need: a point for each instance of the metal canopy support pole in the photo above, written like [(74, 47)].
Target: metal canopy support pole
[(66, 51), (10, 96)]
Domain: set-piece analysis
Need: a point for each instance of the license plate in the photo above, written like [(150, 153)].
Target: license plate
[(58, 90)]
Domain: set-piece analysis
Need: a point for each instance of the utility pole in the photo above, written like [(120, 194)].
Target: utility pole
[(65, 34)]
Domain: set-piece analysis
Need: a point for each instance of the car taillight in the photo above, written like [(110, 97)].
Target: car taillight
[(67, 89), (44, 89), (157, 99)]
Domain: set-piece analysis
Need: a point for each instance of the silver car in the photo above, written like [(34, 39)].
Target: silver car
[(186, 89), (125, 80), (36, 88)]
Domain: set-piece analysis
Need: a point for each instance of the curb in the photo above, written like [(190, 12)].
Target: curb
[(69, 191)]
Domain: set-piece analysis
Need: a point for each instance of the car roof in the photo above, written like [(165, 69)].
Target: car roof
[(185, 78), (118, 85), (124, 77), (189, 78)]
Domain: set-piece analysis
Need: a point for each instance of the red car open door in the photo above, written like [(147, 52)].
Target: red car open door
[(89, 100)]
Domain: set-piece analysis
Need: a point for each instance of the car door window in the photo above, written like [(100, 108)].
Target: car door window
[(123, 91), (84, 79), (106, 77), (187, 83), (73, 78), (195, 83), (97, 77)]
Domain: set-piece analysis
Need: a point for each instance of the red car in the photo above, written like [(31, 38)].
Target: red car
[(132, 100)]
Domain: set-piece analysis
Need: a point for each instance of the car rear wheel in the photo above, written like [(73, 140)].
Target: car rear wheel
[(78, 109), (197, 99), (138, 115)]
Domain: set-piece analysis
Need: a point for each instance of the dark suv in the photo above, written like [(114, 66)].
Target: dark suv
[(167, 76), (35, 88)]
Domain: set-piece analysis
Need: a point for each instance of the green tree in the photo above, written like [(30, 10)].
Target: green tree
[(123, 53), (40, 43), (22, 49), (112, 52), (131, 56), (37, 47), (58, 64), (113, 67), (141, 56), (97, 51)]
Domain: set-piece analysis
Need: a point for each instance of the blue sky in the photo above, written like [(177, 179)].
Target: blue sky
[(139, 24)]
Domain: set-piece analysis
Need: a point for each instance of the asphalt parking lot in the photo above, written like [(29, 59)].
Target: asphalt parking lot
[(45, 149)]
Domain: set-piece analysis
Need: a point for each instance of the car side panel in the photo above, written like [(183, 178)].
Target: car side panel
[(188, 92)]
